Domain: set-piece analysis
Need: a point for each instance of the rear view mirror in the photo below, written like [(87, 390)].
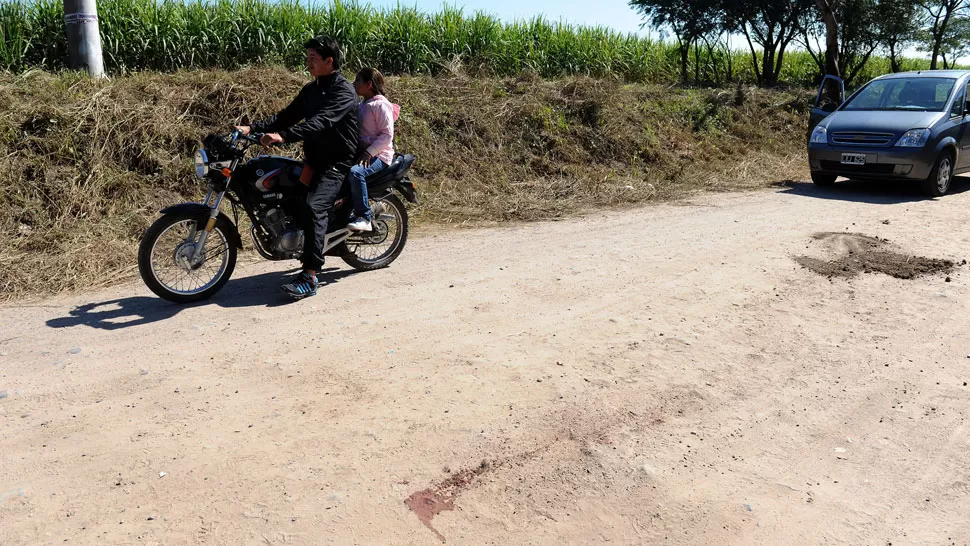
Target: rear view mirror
[(830, 107)]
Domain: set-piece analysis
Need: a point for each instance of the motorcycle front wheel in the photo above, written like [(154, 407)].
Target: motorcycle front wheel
[(171, 268)]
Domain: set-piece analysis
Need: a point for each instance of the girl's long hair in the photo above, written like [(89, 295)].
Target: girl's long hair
[(374, 77)]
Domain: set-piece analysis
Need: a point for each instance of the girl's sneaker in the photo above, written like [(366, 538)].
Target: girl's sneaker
[(360, 224)]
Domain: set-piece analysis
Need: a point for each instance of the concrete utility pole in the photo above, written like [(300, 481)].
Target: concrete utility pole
[(84, 36)]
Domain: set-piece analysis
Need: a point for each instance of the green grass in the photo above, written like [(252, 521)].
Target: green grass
[(169, 35)]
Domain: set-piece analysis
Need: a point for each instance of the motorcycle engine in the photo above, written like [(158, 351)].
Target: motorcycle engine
[(287, 237), (291, 241)]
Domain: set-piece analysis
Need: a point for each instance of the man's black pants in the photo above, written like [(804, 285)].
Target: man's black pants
[(318, 209)]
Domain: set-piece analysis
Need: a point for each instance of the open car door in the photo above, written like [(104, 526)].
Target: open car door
[(831, 95)]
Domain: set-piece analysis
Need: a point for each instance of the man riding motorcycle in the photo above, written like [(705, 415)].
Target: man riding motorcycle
[(324, 116)]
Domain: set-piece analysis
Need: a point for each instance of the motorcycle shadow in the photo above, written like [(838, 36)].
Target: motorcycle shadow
[(257, 291)]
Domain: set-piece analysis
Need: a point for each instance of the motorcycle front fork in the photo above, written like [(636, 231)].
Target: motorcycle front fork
[(213, 204)]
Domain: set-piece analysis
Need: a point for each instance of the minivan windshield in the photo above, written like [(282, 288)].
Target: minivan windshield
[(909, 94)]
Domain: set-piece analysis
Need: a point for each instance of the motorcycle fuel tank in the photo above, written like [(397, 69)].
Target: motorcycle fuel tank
[(270, 173)]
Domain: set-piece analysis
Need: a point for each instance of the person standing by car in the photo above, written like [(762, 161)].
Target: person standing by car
[(324, 117)]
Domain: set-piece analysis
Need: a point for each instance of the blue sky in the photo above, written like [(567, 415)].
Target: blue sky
[(615, 14)]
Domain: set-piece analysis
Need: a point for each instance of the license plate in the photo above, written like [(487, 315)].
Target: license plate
[(853, 159)]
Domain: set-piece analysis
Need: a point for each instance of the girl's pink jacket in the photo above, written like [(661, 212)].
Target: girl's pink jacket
[(376, 117)]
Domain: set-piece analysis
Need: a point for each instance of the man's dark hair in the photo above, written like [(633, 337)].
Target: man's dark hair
[(326, 47)]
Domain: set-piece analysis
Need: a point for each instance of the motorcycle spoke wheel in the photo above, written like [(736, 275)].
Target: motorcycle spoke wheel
[(382, 241), (171, 264)]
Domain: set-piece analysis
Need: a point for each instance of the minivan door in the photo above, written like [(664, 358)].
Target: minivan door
[(963, 116), (831, 95)]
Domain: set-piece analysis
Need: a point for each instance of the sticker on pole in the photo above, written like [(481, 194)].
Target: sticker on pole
[(80, 18)]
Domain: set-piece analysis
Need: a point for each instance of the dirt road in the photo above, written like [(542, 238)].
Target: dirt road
[(669, 375)]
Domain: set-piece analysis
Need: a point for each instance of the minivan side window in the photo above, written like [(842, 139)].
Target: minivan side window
[(958, 103)]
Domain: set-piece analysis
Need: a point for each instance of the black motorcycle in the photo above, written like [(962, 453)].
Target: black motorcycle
[(189, 253)]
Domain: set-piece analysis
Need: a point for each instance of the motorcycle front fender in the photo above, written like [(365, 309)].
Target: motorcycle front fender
[(198, 210)]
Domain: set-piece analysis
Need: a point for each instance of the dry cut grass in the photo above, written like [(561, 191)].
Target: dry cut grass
[(88, 164)]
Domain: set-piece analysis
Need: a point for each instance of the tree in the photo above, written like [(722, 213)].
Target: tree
[(939, 14), (857, 38), (771, 24), (898, 25), (956, 44), (827, 9), (690, 20)]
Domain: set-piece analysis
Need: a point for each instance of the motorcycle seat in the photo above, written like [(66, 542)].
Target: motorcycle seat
[(392, 172)]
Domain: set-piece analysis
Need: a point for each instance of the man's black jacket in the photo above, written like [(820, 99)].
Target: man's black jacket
[(324, 117)]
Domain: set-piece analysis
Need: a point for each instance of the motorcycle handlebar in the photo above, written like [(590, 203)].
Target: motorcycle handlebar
[(251, 138)]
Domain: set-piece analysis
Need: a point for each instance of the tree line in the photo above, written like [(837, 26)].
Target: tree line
[(842, 36)]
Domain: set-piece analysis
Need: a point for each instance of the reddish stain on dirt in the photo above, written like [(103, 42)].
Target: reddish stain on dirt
[(427, 504), (430, 502)]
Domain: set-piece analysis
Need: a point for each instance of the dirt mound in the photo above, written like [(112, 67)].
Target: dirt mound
[(854, 253)]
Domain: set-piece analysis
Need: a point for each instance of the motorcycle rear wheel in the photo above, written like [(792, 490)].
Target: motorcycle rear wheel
[(379, 247), (164, 258)]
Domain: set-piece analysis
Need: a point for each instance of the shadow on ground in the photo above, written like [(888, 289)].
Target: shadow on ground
[(256, 291), (874, 192)]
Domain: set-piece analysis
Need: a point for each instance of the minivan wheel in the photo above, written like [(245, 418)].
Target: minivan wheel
[(823, 179), (940, 177)]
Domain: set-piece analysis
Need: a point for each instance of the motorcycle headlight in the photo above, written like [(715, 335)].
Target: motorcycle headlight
[(915, 138), (820, 135), (201, 163)]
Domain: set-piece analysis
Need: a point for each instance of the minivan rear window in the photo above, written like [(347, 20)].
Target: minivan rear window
[(907, 94)]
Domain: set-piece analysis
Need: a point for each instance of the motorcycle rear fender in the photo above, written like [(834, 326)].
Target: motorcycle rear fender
[(202, 212), (403, 185), (406, 187)]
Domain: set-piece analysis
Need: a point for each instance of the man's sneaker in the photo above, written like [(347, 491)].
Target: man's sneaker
[(360, 224), (304, 286)]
